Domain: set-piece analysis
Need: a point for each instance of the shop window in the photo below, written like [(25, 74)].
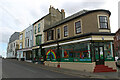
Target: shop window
[(103, 22), (108, 50), (76, 52), (78, 27), (51, 54)]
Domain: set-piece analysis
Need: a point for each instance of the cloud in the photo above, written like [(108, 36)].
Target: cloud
[(73, 7)]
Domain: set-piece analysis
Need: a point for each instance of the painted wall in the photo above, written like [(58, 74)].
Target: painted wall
[(41, 22), (87, 25), (13, 46), (29, 36)]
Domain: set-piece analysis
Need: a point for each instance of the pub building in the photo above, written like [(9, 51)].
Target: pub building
[(82, 41)]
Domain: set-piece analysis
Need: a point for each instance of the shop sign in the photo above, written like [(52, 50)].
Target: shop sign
[(85, 59)]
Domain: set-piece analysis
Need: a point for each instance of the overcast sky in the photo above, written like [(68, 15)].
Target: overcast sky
[(16, 15)]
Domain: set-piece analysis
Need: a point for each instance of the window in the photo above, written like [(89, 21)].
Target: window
[(35, 29), (65, 31), (78, 27), (14, 44), (21, 45), (50, 35), (103, 22), (21, 37), (28, 43), (38, 39), (58, 33), (39, 27)]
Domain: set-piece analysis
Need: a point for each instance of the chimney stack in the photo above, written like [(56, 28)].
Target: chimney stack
[(63, 13)]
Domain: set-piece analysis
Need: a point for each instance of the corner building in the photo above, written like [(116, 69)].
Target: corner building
[(81, 41)]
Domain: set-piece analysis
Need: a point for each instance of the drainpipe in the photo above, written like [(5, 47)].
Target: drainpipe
[(58, 54)]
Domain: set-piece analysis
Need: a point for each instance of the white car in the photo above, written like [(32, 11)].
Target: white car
[(118, 62)]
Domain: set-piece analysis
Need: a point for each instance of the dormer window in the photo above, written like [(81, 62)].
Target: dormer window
[(103, 22)]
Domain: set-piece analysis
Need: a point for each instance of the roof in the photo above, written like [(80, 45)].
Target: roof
[(14, 36), (40, 19), (78, 14)]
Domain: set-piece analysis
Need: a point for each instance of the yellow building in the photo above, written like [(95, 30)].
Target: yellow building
[(20, 52)]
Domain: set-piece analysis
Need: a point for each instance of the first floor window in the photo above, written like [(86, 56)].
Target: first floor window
[(58, 33), (103, 22), (65, 31), (78, 27), (38, 39), (39, 27), (50, 35), (20, 45), (35, 29)]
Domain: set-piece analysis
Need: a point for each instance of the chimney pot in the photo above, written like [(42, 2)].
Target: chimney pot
[(62, 10)]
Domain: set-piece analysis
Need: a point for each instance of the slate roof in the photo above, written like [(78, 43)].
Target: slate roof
[(78, 14), (14, 36)]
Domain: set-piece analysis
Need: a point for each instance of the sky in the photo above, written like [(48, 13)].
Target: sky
[(16, 15)]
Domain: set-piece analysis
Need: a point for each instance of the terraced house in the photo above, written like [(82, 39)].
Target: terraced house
[(82, 41), (20, 51), (53, 16), (13, 45), (117, 43)]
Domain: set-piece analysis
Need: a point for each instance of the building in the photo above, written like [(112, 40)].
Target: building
[(13, 45), (52, 17), (117, 43), (82, 41), (28, 42), (20, 52)]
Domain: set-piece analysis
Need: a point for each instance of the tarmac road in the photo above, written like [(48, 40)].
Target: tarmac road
[(19, 69)]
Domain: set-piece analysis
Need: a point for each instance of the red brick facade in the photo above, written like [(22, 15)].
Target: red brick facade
[(117, 43)]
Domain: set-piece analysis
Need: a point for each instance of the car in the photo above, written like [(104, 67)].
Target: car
[(118, 62), (116, 59), (0, 56)]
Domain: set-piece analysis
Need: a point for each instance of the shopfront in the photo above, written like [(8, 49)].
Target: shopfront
[(81, 54)]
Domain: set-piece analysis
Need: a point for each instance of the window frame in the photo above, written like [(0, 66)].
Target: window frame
[(65, 31), (39, 27), (38, 40), (78, 27), (35, 29), (103, 22), (58, 33), (50, 35)]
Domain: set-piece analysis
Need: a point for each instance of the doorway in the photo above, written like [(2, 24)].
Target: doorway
[(99, 55)]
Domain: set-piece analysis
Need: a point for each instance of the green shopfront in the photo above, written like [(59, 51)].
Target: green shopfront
[(83, 52)]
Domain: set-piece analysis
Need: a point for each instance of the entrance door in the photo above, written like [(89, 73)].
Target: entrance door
[(99, 55)]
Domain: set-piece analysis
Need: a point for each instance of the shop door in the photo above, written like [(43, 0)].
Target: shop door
[(99, 55)]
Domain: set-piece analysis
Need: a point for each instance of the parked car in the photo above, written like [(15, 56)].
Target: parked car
[(118, 62), (0, 56)]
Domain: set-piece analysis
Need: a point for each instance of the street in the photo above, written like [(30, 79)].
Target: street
[(17, 70), (21, 69)]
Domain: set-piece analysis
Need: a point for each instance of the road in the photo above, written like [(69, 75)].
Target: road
[(20, 69), (14, 69)]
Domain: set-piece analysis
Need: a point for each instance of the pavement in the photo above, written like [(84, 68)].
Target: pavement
[(56, 72)]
